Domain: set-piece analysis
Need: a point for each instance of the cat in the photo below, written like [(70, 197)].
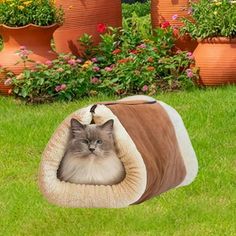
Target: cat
[(90, 156)]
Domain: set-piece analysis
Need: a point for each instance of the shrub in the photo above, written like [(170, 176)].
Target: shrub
[(128, 61), (140, 9)]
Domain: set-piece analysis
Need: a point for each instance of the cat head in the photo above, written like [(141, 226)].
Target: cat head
[(92, 140)]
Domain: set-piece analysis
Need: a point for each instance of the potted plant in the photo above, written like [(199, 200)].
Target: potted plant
[(85, 16), (26, 28), (214, 26), (169, 12)]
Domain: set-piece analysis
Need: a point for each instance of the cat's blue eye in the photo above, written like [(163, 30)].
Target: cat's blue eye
[(85, 141), (99, 141)]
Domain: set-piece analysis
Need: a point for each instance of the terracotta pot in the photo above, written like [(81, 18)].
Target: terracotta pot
[(83, 16), (35, 38), (163, 10), (216, 58)]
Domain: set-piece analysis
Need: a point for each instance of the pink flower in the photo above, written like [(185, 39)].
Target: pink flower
[(61, 87), (95, 80), (178, 51), (72, 62), (78, 60), (143, 45), (94, 59), (96, 68), (174, 17), (189, 73), (101, 28), (22, 47), (8, 81), (58, 88), (48, 63), (145, 88), (190, 11), (24, 53), (190, 56), (108, 68), (165, 24)]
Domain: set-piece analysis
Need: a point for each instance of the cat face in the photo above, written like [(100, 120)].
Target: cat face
[(91, 140)]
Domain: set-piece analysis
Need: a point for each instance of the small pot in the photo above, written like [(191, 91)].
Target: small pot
[(216, 58)]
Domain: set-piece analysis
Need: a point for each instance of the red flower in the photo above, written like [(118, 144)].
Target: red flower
[(165, 24), (134, 51), (101, 28), (116, 51)]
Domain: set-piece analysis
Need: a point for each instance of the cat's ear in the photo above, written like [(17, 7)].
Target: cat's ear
[(108, 126), (76, 127)]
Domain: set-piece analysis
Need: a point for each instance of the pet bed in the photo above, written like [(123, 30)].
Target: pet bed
[(151, 141)]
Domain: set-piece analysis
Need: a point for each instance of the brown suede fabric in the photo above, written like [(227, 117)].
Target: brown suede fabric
[(153, 134)]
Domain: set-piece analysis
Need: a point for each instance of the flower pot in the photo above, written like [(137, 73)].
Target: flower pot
[(216, 58), (34, 38), (164, 10), (82, 16)]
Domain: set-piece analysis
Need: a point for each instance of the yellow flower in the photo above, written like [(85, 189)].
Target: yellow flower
[(27, 3), (215, 12), (87, 64), (218, 3), (20, 7)]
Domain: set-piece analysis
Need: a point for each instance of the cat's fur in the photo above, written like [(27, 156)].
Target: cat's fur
[(90, 157)]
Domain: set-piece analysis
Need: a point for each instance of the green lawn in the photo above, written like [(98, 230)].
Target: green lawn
[(206, 207)]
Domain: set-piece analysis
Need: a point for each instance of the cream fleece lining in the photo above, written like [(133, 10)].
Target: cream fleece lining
[(76, 195)]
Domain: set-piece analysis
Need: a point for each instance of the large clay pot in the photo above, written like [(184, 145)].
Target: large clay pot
[(83, 16), (34, 38), (164, 10), (216, 58)]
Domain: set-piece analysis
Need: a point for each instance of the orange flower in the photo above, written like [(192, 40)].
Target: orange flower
[(9, 91), (122, 61), (150, 59), (116, 51), (150, 68)]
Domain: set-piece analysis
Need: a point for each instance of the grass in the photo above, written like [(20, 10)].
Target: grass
[(206, 207)]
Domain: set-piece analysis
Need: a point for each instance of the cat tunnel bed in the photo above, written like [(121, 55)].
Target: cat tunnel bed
[(151, 142)]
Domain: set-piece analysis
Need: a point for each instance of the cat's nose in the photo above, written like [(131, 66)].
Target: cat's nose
[(91, 149)]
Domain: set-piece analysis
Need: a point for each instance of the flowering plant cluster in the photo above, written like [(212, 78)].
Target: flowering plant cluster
[(211, 18), (17, 13), (128, 61)]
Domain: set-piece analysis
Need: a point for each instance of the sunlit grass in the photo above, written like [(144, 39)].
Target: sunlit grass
[(206, 207)]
